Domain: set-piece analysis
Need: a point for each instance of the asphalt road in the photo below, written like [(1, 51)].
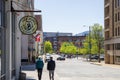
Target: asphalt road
[(73, 69)]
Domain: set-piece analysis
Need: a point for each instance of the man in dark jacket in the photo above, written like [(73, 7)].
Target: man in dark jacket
[(51, 68), (39, 67)]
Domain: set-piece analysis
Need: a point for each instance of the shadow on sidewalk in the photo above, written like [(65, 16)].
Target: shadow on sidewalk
[(29, 67)]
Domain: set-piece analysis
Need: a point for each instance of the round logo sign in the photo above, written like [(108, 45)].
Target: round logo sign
[(28, 25)]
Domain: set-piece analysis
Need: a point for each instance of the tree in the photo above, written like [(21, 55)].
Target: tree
[(47, 47), (93, 43), (86, 45), (68, 48), (94, 48), (97, 35)]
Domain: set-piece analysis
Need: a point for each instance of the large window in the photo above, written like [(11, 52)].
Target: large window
[(2, 43), (13, 44)]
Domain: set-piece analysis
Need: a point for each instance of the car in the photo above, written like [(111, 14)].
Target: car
[(94, 57), (61, 58), (97, 57), (47, 57)]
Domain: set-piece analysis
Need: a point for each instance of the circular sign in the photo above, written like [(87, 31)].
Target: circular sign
[(28, 25)]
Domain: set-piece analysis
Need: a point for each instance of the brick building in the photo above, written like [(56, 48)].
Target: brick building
[(57, 41), (112, 31)]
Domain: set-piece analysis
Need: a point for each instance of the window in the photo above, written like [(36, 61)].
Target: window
[(115, 31), (117, 47), (0, 19), (118, 16), (119, 31), (13, 44), (2, 12), (2, 41), (118, 3), (107, 47), (115, 3), (115, 17)]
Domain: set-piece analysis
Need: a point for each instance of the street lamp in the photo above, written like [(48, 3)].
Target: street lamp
[(89, 41)]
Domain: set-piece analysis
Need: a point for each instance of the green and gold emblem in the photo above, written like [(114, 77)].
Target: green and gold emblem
[(28, 25)]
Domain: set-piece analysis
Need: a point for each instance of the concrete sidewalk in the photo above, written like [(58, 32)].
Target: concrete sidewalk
[(31, 72), (102, 63)]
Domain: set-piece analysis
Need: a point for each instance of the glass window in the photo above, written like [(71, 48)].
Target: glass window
[(2, 54), (0, 19), (115, 3), (118, 3), (0, 13), (13, 44), (2, 7), (2, 41), (115, 17)]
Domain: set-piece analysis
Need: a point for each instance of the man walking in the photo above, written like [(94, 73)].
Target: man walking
[(51, 68), (39, 67)]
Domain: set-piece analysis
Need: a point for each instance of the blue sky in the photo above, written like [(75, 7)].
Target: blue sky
[(70, 15)]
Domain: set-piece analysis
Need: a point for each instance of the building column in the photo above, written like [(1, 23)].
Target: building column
[(8, 41), (18, 53)]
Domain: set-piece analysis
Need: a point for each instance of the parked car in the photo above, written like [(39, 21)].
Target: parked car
[(97, 57), (61, 58), (94, 57)]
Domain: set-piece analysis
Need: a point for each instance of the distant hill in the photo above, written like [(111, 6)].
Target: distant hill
[(82, 34)]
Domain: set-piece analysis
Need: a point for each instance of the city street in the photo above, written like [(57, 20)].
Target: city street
[(73, 69)]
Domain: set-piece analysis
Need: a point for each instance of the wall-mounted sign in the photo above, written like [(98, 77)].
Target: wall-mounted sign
[(28, 25)]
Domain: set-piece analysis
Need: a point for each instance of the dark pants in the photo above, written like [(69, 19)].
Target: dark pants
[(51, 74), (39, 73)]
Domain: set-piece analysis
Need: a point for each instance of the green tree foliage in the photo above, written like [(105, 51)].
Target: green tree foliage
[(94, 48), (86, 46), (68, 48), (83, 51), (97, 35), (47, 47), (93, 43)]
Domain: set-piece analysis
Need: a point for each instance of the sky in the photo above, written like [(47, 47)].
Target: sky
[(71, 16)]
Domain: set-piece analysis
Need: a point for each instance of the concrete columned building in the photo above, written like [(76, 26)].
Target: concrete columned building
[(11, 36), (112, 31)]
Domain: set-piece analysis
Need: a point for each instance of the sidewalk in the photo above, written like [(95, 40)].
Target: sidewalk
[(102, 63), (31, 72)]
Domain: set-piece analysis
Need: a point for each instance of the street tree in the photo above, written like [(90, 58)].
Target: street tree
[(48, 47), (68, 48), (97, 35)]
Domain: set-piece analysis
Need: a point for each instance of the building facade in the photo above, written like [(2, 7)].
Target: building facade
[(11, 37), (57, 41), (53, 38), (76, 40), (112, 31)]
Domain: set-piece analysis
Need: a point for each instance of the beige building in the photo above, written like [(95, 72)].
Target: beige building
[(112, 31)]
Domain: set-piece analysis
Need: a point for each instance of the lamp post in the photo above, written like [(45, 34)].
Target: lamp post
[(89, 42)]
